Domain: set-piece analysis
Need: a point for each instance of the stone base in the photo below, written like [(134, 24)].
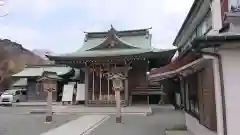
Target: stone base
[(119, 119), (48, 119)]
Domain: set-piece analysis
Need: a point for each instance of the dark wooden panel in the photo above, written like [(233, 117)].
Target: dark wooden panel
[(200, 96), (208, 107)]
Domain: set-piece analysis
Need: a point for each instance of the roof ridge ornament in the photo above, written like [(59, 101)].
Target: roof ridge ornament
[(112, 40), (111, 37), (112, 30), (148, 34)]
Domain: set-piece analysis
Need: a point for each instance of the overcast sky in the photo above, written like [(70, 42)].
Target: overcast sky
[(58, 25)]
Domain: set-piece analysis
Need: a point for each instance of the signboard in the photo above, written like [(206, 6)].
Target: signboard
[(49, 87), (68, 92), (80, 92), (117, 84)]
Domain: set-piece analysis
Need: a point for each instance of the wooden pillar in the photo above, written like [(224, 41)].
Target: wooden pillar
[(93, 87), (182, 91), (86, 85), (126, 92), (100, 83), (148, 102), (130, 100), (108, 82)]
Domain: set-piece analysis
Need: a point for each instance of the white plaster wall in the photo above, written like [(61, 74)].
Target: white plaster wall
[(196, 128), (231, 77)]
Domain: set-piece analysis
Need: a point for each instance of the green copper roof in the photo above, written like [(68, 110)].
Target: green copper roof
[(49, 75), (110, 52), (90, 43), (37, 71), (20, 82), (135, 41), (112, 43)]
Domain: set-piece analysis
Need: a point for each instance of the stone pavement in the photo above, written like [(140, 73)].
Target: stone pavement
[(11, 124), (163, 117), (59, 109), (178, 133), (25, 104), (142, 125), (79, 126)]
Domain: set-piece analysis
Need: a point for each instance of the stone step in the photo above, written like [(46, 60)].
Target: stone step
[(149, 85), (146, 89), (178, 132)]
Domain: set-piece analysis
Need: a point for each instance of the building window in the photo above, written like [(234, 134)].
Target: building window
[(191, 95), (194, 35), (205, 25), (202, 28)]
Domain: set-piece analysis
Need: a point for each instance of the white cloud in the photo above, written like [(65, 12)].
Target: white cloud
[(35, 8), (177, 6), (23, 35), (164, 16)]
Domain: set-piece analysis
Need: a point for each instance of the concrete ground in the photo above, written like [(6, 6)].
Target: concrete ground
[(18, 110), (80, 109), (15, 121), (142, 125), (30, 124), (34, 103), (62, 110), (79, 126)]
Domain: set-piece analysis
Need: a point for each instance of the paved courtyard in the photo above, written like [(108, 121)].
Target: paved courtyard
[(15, 121), (29, 124), (141, 125)]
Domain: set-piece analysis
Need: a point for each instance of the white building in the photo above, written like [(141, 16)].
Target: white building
[(208, 67)]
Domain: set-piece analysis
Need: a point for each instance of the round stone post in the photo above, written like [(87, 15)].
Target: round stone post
[(117, 80), (48, 81), (118, 107), (49, 107)]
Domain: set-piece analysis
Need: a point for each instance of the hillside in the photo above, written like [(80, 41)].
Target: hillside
[(42, 52), (13, 58)]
